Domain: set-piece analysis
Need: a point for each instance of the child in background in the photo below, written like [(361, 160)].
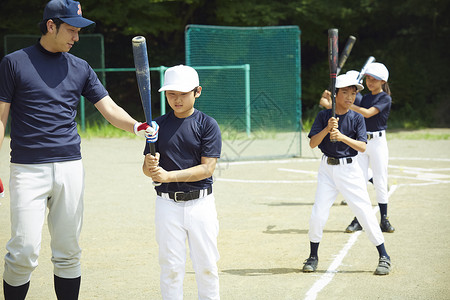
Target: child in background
[(339, 172)]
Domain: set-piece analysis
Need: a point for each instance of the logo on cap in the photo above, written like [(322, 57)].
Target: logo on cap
[(79, 10)]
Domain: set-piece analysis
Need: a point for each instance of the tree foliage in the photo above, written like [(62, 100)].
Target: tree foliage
[(409, 37)]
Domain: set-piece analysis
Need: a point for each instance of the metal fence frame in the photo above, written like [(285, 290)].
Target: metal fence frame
[(161, 70)]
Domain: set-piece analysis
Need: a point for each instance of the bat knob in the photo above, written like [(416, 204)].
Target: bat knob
[(138, 39)]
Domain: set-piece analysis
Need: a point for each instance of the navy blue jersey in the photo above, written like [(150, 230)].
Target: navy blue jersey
[(44, 90), (350, 124), (382, 101), (182, 143)]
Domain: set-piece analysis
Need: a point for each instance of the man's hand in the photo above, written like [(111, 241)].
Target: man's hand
[(147, 131)]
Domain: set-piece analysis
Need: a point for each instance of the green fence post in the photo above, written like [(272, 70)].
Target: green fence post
[(162, 95), (247, 99)]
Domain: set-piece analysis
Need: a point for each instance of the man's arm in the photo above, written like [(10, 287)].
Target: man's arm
[(115, 114), (4, 113)]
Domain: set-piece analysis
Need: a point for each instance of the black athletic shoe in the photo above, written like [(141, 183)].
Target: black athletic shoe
[(310, 264), (354, 226), (386, 226), (384, 266)]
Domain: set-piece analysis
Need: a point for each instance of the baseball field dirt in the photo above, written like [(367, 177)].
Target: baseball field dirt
[(263, 209)]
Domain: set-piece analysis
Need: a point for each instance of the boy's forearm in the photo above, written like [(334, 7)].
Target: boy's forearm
[(357, 145), (192, 174), (318, 138)]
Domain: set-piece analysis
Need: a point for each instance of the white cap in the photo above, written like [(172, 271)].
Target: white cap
[(378, 71), (347, 79), (353, 73), (180, 78)]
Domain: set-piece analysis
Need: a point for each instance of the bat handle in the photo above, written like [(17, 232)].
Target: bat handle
[(333, 111), (333, 140), (153, 152)]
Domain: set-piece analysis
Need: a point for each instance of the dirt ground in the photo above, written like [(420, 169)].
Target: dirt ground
[(264, 209)]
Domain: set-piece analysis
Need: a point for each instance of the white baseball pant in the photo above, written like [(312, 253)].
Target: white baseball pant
[(348, 179), (195, 221), (377, 157), (34, 188)]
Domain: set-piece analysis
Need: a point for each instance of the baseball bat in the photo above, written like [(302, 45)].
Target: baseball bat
[(143, 80), (370, 60), (333, 62), (345, 53)]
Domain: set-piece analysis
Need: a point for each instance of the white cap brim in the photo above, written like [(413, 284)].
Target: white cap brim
[(178, 88), (348, 80)]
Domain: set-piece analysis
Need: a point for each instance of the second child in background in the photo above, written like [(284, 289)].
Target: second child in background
[(375, 107)]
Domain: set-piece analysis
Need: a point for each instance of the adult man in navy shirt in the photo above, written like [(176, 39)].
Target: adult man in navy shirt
[(41, 86)]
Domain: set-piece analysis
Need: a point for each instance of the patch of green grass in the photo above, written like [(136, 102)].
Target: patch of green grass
[(424, 134), (106, 130)]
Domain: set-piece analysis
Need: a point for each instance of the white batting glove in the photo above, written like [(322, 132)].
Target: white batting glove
[(147, 131)]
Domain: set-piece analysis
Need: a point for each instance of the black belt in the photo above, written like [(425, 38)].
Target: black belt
[(336, 161), (186, 196), (372, 135)]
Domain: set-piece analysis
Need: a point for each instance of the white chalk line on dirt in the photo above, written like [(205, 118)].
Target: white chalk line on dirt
[(326, 278), (264, 181), (299, 160)]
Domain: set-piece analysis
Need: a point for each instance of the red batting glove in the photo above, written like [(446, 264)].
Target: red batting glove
[(2, 190), (147, 131)]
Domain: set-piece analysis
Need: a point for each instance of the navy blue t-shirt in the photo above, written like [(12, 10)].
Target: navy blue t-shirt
[(182, 143), (382, 101), (44, 90), (350, 124)]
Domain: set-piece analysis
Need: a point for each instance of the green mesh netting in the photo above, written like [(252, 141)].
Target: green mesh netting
[(273, 54)]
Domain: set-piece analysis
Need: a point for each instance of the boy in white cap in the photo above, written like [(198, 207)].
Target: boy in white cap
[(375, 107), (339, 172), (188, 147), (40, 87)]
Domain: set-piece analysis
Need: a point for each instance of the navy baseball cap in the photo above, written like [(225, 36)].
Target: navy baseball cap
[(68, 11)]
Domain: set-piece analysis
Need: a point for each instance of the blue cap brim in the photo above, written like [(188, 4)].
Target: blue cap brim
[(375, 76), (78, 22)]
